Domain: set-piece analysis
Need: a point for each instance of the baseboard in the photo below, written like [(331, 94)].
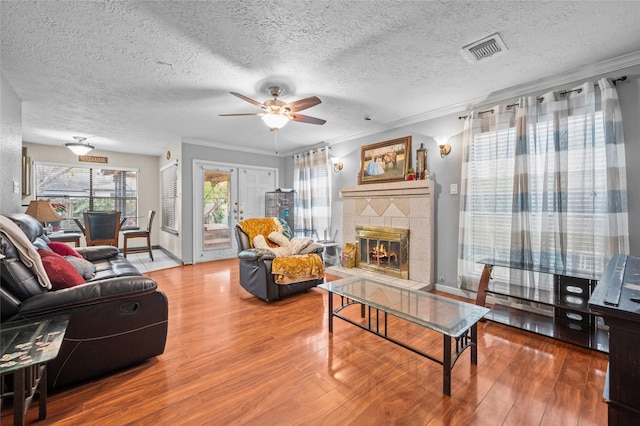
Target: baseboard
[(456, 291)]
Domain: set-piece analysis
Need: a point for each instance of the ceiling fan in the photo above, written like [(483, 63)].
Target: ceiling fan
[(277, 113)]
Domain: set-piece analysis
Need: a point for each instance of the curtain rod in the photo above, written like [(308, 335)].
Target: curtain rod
[(541, 99), (316, 150)]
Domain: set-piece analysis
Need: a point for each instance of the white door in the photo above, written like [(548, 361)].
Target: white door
[(223, 195), (254, 183)]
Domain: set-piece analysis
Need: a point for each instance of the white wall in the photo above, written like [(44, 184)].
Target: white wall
[(148, 177), (10, 148)]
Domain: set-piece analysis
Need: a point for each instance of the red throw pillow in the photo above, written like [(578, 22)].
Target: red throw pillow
[(61, 273), (63, 249)]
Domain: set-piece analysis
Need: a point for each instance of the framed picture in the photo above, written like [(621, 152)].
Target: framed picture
[(385, 161)]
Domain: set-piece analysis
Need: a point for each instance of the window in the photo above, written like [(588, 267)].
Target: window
[(76, 189), (544, 187), (493, 187), (169, 175)]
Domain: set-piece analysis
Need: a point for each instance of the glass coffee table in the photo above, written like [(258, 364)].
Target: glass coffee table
[(455, 320)]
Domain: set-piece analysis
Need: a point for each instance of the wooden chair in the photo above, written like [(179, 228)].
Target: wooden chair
[(101, 228), (140, 233)]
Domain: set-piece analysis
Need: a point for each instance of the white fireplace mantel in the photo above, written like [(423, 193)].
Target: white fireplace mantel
[(404, 204), (408, 188)]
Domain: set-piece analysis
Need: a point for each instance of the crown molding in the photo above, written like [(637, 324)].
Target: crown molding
[(210, 144), (589, 71), (219, 145), (586, 72)]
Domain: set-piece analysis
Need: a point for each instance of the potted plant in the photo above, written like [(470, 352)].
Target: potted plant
[(410, 175), (61, 209)]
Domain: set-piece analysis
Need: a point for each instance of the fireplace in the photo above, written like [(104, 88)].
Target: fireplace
[(406, 205), (384, 250)]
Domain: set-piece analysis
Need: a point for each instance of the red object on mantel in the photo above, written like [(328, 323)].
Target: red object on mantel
[(410, 176)]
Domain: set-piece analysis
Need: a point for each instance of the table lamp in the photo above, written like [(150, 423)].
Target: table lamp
[(43, 211)]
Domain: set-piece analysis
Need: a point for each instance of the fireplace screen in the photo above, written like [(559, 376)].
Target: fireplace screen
[(384, 250)]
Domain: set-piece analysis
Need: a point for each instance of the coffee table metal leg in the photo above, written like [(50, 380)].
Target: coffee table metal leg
[(330, 312), (42, 391), (18, 396), (446, 367), (474, 344)]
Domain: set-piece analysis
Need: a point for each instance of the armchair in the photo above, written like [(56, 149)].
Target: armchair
[(256, 269)]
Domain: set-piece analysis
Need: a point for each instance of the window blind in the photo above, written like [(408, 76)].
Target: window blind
[(79, 188), (169, 177)]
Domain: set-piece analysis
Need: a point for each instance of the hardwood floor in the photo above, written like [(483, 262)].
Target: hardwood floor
[(234, 359)]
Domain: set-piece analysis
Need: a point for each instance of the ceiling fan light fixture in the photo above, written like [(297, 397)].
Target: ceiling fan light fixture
[(275, 121), (79, 147), (276, 113)]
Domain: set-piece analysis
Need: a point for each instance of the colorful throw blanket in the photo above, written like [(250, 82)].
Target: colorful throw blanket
[(297, 268), (261, 226), (288, 267)]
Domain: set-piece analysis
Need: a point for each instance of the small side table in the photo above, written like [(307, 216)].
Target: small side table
[(65, 237), (27, 346), (330, 252)]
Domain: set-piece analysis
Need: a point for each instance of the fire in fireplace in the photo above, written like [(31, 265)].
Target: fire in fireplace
[(384, 250)]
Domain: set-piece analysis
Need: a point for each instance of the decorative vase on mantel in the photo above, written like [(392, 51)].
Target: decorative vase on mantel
[(421, 162)]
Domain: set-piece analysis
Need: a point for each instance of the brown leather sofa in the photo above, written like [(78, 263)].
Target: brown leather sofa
[(255, 271), (118, 318)]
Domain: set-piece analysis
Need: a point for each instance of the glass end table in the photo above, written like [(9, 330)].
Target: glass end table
[(27, 346)]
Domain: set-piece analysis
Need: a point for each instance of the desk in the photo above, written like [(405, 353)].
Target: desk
[(27, 346), (453, 319), (617, 299)]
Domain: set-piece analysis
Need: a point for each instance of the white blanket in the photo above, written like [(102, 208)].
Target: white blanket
[(27, 251)]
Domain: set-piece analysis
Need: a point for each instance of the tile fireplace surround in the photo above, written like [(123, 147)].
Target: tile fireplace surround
[(406, 205)]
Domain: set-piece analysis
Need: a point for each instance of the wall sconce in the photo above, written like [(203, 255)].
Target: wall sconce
[(445, 148), (337, 164)]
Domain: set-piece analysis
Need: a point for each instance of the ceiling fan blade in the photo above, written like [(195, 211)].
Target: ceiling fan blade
[(243, 97), (238, 115), (303, 104), (307, 119)]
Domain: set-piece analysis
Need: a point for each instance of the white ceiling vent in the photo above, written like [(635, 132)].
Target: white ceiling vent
[(485, 48)]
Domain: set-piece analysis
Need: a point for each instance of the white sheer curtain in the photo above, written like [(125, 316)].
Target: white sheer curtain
[(544, 187), (312, 183)]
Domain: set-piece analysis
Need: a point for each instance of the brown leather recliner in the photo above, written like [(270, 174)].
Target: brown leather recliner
[(118, 318), (255, 271)]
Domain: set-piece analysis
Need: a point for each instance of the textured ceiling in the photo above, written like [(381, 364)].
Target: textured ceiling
[(140, 76)]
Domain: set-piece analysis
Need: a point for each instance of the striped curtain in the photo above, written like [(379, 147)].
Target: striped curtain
[(312, 184), (544, 188)]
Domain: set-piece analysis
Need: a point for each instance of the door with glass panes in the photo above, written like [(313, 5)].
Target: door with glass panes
[(223, 195)]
